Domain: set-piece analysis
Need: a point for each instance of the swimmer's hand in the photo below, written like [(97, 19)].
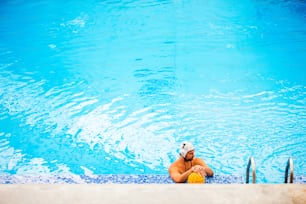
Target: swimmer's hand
[(199, 169)]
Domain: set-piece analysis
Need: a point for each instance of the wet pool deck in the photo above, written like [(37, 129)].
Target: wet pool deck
[(152, 193)]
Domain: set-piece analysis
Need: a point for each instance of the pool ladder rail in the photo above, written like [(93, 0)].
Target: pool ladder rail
[(289, 166), (251, 163)]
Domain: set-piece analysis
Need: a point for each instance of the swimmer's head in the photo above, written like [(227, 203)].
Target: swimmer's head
[(185, 148)]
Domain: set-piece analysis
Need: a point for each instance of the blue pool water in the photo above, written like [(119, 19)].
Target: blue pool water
[(113, 87)]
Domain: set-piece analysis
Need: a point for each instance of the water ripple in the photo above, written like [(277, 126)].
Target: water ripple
[(115, 86)]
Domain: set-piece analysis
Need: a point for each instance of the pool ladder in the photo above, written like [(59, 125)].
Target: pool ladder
[(251, 163), (289, 166)]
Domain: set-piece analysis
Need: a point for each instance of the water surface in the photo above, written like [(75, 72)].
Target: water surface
[(113, 87)]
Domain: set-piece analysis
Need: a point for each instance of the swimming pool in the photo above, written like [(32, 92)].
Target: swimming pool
[(113, 87)]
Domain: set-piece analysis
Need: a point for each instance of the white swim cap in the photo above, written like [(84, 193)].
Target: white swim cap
[(185, 148)]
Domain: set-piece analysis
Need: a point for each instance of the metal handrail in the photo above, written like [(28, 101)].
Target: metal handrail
[(251, 162), (289, 165)]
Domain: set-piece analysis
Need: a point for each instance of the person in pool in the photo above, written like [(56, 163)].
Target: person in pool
[(186, 164)]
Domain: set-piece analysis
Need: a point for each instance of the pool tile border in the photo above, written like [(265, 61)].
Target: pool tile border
[(117, 179), (105, 179)]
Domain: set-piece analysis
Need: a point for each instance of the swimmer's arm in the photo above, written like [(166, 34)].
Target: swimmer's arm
[(177, 177), (208, 171)]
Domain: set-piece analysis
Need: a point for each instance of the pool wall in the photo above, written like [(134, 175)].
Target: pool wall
[(118, 179)]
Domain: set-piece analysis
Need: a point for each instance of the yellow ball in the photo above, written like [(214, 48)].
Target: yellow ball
[(196, 178)]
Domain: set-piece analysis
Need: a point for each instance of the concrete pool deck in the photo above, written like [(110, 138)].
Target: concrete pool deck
[(152, 193)]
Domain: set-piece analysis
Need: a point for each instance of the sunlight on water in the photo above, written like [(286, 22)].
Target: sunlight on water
[(114, 87)]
